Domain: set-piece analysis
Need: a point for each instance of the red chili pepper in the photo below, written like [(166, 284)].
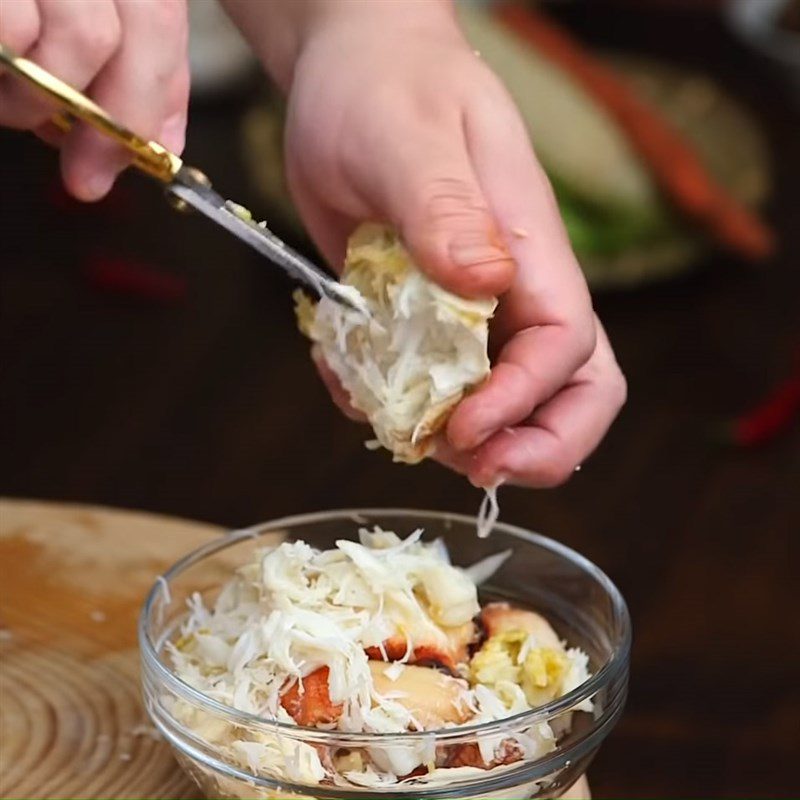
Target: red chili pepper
[(124, 277), (768, 419)]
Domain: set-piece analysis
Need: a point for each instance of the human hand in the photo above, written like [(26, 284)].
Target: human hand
[(131, 58), (392, 117)]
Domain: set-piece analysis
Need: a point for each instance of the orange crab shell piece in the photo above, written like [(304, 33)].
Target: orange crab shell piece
[(313, 705), (432, 697), (469, 755), (448, 656), (500, 617)]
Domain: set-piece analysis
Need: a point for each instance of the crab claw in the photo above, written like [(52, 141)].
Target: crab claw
[(446, 654), (432, 698), (501, 617), (311, 704)]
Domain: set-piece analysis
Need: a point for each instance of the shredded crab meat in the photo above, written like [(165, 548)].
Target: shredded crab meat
[(287, 638), (488, 512), (410, 360)]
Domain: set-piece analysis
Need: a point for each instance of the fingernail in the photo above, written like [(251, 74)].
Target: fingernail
[(469, 442), (173, 132), (481, 478), (481, 481), (488, 479), (471, 252)]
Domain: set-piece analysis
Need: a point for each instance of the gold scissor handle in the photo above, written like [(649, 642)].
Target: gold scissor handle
[(150, 157)]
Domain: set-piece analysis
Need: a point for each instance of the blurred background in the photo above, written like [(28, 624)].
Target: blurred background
[(150, 362)]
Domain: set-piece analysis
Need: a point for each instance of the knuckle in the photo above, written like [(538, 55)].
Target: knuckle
[(169, 16), (443, 211), (96, 40), (21, 30), (521, 381), (105, 40), (618, 389), (446, 202), (586, 337)]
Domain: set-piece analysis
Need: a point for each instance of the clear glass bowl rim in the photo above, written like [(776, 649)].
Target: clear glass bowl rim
[(603, 677)]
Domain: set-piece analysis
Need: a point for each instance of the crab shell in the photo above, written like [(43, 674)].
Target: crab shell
[(311, 704), (501, 617), (431, 653), (422, 445), (433, 698), (376, 259), (468, 754)]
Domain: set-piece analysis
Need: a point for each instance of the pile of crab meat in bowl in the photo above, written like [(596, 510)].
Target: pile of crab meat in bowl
[(382, 635)]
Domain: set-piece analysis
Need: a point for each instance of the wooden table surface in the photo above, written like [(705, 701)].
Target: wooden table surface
[(73, 580), (71, 721), (209, 409)]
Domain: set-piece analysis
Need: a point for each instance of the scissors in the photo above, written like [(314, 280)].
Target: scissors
[(186, 187)]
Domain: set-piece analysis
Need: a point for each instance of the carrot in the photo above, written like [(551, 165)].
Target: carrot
[(313, 704), (675, 165)]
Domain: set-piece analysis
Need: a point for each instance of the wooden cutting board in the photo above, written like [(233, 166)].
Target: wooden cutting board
[(72, 579)]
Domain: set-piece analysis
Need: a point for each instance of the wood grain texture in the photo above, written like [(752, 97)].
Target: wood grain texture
[(71, 721)]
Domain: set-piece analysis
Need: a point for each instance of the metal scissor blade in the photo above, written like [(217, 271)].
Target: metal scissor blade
[(236, 220)]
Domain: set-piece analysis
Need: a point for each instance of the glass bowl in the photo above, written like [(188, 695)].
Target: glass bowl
[(578, 599)]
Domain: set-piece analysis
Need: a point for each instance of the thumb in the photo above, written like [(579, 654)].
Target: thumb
[(431, 195)]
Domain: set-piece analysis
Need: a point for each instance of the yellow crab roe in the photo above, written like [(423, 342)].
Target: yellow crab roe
[(540, 673)]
